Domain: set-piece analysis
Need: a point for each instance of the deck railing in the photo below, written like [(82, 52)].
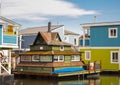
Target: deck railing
[(93, 66)]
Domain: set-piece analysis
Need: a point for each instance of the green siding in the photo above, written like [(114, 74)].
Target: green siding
[(37, 47), (58, 48), (102, 55), (67, 58), (55, 48), (34, 69)]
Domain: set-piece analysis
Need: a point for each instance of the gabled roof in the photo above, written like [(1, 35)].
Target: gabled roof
[(4, 20), (88, 25), (67, 32), (35, 30), (51, 38)]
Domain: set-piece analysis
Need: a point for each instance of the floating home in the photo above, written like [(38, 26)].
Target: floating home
[(101, 42), (49, 56), (8, 42)]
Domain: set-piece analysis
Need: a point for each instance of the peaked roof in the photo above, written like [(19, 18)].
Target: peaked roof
[(35, 30), (67, 32), (51, 38), (4, 20)]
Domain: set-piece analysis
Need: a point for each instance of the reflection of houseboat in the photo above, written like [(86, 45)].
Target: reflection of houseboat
[(49, 56)]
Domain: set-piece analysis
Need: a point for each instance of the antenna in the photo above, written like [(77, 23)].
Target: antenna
[(94, 19)]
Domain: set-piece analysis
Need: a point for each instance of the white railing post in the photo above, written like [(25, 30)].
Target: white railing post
[(9, 61), (0, 66)]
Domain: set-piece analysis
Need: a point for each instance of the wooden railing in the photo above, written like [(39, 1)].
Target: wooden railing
[(93, 66)]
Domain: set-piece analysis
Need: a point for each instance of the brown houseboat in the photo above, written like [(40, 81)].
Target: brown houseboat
[(49, 56)]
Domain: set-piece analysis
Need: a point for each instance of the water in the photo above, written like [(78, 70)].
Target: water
[(103, 80)]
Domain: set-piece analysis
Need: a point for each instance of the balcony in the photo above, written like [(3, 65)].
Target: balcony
[(10, 39)]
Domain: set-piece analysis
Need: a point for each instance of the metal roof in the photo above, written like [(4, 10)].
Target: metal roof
[(5, 20), (88, 25), (35, 30), (67, 32)]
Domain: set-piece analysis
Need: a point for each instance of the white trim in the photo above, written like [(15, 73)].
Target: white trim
[(109, 33), (58, 58), (33, 58), (8, 46), (89, 55), (61, 48), (112, 56), (75, 59), (88, 25), (99, 47)]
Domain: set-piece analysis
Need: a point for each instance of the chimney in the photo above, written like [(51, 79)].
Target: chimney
[(49, 26)]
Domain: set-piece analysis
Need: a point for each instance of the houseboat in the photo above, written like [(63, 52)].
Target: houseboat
[(8, 41), (49, 56), (100, 41)]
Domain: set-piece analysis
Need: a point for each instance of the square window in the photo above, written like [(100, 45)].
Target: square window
[(87, 55), (35, 58), (75, 58), (62, 48), (113, 32), (59, 58), (114, 56)]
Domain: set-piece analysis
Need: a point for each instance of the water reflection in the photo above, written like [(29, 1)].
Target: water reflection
[(103, 80)]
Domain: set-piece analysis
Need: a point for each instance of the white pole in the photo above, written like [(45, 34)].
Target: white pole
[(0, 66), (9, 61)]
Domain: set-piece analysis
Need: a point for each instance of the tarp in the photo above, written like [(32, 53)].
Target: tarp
[(65, 70)]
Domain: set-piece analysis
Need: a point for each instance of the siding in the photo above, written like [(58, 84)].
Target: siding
[(9, 39), (27, 40), (99, 36), (0, 34), (34, 69), (102, 55), (87, 42)]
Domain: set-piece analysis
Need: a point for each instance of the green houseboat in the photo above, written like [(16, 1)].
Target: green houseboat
[(49, 56)]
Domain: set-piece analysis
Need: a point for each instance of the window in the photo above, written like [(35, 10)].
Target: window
[(87, 55), (59, 58), (46, 58), (41, 48), (35, 58), (75, 58), (112, 32), (25, 58), (62, 48), (114, 56), (75, 41)]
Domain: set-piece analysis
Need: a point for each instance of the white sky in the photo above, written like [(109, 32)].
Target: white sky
[(39, 9)]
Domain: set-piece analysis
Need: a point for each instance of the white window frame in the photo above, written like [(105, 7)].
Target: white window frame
[(58, 58), (34, 59), (61, 48), (46, 58), (27, 57), (112, 36), (86, 55), (112, 56), (75, 58)]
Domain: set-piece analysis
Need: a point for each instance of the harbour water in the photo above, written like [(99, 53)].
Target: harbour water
[(102, 80)]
